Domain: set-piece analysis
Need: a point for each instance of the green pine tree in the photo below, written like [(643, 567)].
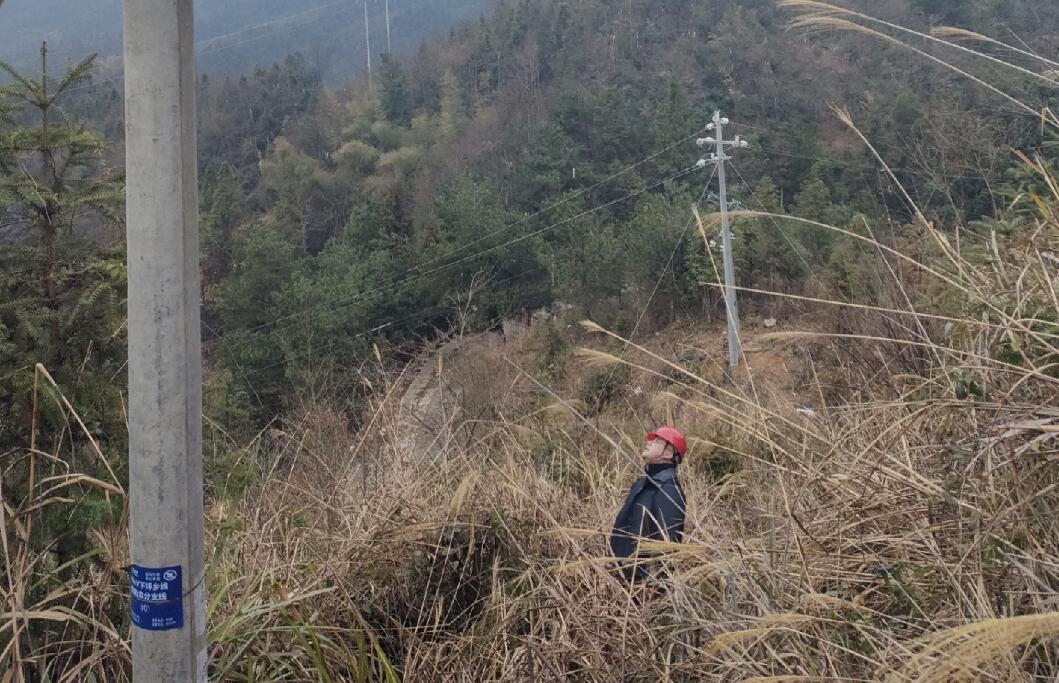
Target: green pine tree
[(62, 305), (813, 202), (452, 110), (396, 100), (61, 297), (766, 252)]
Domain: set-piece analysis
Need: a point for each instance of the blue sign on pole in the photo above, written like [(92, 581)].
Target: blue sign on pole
[(157, 598)]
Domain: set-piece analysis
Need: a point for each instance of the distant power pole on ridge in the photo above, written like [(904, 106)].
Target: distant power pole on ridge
[(389, 47), (718, 157), (367, 39)]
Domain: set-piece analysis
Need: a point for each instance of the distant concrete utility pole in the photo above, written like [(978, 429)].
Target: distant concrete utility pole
[(735, 350), (165, 372), (389, 48), (367, 39)]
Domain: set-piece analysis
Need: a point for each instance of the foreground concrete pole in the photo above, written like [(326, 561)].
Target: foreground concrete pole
[(165, 373)]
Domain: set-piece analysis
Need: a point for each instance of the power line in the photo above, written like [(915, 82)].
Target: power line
[(854, 164), (279, 20), (277, 31), (341, 304), (400, 283), (500, 230), (36, 55), (461, 248), (206, 42), (774, 222), (665, 271), (672, 257), (367, 40), (330, 345), (421, 313)]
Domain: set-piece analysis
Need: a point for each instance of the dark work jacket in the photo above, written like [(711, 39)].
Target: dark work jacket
[(653, 510)]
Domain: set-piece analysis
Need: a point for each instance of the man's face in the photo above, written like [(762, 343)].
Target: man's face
[(657, 452)]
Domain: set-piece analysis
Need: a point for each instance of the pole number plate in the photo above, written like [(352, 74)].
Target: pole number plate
[(157, 597)]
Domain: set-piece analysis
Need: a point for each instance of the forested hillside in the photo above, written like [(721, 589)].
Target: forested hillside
[(547, 154)]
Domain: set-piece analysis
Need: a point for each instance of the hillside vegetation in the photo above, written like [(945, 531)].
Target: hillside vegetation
[(466, 186), (871, 497)]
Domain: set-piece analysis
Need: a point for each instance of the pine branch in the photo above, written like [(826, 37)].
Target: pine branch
[(6, 110), (24, 89), (79, 73), (31, 325)]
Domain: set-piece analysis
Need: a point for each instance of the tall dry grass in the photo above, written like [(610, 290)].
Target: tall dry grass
[(903, 527), (907, 533)]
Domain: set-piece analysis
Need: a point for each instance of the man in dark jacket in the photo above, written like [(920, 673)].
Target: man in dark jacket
[(654, 508)]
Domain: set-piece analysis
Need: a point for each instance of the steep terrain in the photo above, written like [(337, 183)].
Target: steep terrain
[(547, 153)]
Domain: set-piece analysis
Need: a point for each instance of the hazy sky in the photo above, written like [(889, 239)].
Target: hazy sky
[(234, 34)]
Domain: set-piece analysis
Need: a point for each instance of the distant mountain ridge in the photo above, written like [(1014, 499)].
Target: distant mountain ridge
[(237, 35)]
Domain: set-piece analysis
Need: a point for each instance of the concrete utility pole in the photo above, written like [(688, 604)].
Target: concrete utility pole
[(367, 39), (165, 372), (735, 350), (389, 48)]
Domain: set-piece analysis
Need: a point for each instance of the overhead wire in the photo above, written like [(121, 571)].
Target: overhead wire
[(439, 307), (205, 42), (509, 226), (330, 345), (521, 238), (17, 221), (672, 257), (850, 163), (203, 48), (662, 275), (436, 307), (669, 263), (479, 240), (277, 31), (26, 56), (775, 223), (310, 10), (465, 246), (419, 314)]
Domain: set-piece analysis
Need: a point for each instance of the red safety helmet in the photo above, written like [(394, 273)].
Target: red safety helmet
[(671, 437)]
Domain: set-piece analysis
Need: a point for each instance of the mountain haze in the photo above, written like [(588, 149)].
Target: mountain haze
[(237, 35)]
